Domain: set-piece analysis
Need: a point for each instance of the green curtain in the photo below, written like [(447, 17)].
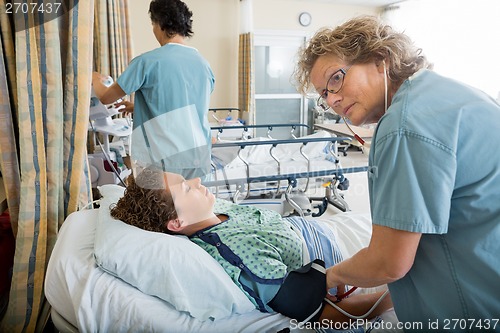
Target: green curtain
[(44, 108), (246, 81)]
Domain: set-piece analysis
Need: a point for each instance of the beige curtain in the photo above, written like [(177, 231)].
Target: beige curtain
[(246, 84), (45, 97), (8, 119), (112, 45)]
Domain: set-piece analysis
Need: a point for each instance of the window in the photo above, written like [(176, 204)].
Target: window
[(461, 38), (276, 99)]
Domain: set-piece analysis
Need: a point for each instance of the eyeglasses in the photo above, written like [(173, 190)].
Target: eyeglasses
[(333, 85)]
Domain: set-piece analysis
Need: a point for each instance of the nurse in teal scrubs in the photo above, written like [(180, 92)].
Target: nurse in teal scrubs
[(172, 86), (434, 176)]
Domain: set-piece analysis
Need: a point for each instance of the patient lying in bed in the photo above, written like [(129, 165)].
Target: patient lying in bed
[(259, 250)]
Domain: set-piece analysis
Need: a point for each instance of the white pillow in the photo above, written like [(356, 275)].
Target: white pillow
[(170, 267)]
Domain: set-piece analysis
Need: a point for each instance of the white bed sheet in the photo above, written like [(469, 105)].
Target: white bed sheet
[(94, 301)]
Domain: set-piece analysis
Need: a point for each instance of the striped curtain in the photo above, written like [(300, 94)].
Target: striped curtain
[(8, 120), (44, 110), (112, 44), (246, 81)]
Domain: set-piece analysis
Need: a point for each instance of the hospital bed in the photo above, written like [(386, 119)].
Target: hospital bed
[(282, 174), (342, 129), (87, 296), (226, 118)]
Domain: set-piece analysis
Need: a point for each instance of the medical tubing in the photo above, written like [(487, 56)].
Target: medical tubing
[(90, 203), (312, 315), (357, 137), (354, 316), (344, 295), (385, 86), (107, 156)]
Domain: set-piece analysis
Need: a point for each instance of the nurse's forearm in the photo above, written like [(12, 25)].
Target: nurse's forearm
[(106, 94), (361, 270), (388, 257)]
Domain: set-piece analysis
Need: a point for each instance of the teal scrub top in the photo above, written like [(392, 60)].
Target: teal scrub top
[(172, 86), (435, 170)]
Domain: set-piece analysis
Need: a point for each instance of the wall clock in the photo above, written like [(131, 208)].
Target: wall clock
[(305, 19)]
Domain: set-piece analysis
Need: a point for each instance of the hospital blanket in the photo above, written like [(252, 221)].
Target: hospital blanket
[(320, 240)]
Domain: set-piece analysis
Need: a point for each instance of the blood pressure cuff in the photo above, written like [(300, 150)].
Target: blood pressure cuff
[(302, 293)]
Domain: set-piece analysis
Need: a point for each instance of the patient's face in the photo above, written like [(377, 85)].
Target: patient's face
[(193, 201)]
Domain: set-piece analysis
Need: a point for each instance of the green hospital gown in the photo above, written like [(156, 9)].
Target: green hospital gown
[(255, 244)]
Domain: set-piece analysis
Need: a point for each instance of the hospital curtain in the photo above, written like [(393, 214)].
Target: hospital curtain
[(45, 97), (8, 146), (112, 43), (246, 85)]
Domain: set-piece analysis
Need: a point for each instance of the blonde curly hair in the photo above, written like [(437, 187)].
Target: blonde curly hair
[(147, 202), (361, 40)]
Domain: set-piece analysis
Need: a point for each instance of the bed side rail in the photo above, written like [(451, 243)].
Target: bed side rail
[(278, 177), (275, 142), (291, 178), (229, 111), (245, 129)]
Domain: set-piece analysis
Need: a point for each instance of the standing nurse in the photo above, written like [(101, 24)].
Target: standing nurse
[(172, 86), (434, 176)]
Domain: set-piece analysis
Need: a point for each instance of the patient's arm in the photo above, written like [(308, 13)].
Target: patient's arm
[(357, 305)]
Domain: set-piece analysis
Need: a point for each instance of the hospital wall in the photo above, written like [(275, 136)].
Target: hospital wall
[(216, 26)]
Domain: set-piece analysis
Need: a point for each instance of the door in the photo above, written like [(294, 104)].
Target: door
[(276, 99)]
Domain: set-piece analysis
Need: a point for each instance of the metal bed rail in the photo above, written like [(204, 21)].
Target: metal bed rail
[(292, 177), (335, 173), (270, 127), (228, 110)]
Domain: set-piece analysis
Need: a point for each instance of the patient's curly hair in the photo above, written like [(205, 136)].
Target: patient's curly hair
[(361, 40), (173, 16), (147, 203)]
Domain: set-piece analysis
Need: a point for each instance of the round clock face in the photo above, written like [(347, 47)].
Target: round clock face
[(305, 19)]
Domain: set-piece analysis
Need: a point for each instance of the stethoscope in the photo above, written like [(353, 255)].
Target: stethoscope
[(340, 297), (357, 137), (350, 315)]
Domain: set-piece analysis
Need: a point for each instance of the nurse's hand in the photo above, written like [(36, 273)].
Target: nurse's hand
[(125, 107), (333, 280)]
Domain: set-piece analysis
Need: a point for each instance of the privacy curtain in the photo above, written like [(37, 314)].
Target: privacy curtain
[(45, 97), (246, 84), (8, 120), (112, 45)]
